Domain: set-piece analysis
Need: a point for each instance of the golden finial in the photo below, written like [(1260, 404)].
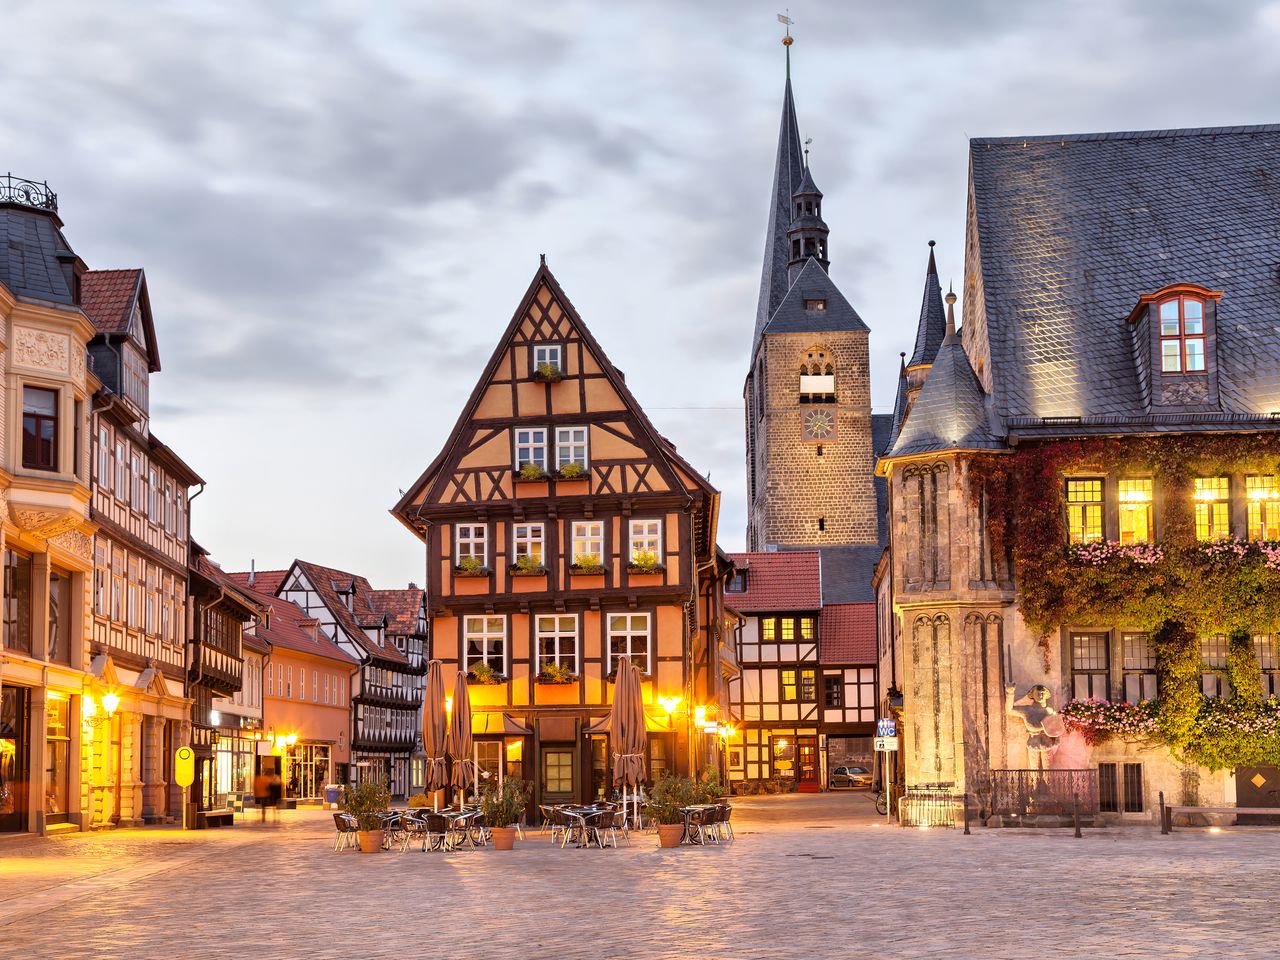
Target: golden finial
[(784, 19)]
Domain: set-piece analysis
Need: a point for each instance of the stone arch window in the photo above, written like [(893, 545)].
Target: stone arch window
[(817, 375)]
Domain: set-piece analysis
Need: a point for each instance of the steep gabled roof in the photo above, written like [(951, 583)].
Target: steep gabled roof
[(788, 171), (212, 573), (1071, 230), (327, 582), (287, 626), (813, 283), (933, 318), (778, 582), (108, 298)]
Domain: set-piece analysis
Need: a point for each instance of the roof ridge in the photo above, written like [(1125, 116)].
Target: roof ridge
[(1129, 135)]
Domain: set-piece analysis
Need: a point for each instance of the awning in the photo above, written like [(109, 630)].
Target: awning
[(494, 723)]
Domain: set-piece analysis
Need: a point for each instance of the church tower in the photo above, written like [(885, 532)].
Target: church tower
[(810, 461)]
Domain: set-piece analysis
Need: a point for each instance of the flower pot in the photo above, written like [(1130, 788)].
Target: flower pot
[(370, 840), (669, 834), (504, 838)]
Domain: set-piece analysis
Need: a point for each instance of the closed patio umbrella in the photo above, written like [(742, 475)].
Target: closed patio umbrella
[(627, 730), (459, 741), (435, 730)]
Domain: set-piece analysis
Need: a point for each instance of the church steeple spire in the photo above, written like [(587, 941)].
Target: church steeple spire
[(808, 231), (788, 172), (933, 319)]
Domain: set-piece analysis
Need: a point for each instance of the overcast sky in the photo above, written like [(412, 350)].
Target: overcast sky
[(338, 210)]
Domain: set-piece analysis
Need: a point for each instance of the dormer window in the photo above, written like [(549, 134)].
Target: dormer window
[(1182, 335), (815, 305)]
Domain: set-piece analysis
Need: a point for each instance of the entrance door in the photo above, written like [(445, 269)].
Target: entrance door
[(15, 753), (1258, 787), (807, 764), (557, 774)]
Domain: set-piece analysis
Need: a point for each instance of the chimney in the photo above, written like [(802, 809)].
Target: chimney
[(251, 571)]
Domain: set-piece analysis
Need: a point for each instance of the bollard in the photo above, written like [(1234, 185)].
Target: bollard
[(1164, 823), (966, 814), (1075, 814)]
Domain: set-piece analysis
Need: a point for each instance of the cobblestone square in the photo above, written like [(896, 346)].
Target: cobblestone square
[(807, 877)]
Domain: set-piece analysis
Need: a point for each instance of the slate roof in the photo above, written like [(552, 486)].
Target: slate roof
[(777, 581), (899, 408), (107, 298), (881, 438), (31, 243), (1071, 230), (788, 170), (950, 412), (933, 318), (847, 572), (847, 633), (806, 184), (813, 283)]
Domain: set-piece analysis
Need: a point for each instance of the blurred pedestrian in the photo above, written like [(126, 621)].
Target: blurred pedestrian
[(275, 793), (262, 794)]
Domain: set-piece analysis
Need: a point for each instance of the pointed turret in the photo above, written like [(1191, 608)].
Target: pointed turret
[(808, 231), (788, 173), (899, 403), (933, 324)]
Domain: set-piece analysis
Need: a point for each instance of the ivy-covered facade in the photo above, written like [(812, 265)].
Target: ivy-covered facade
[(1085, 479)]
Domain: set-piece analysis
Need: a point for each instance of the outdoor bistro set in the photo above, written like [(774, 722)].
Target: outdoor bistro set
[(499, 817)]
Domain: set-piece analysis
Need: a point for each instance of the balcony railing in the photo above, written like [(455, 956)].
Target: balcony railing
[(27, 192)]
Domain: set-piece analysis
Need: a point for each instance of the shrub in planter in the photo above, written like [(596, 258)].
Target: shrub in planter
[(502, 809), (365, 802), (419, 800), (644, 561), (531, 472), (572, 471), (527, 565), (555, 673), (663, 805), (484, 675), (548, 373), (587, 563)]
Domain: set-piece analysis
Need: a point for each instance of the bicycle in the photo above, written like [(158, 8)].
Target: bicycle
[(882, 803)]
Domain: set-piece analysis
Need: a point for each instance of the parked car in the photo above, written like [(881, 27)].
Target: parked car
[(859, 777)]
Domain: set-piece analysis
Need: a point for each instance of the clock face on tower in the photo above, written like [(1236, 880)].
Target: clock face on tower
[(819, 424)]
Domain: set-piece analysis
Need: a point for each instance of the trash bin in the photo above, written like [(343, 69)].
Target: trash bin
[(332, 795)]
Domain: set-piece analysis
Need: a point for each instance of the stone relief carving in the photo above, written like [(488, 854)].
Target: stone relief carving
[(75, 542), (77, 363), (46, 523), (38, 348)]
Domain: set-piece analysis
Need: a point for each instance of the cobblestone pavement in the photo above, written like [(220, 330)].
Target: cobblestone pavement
[(808, 877)]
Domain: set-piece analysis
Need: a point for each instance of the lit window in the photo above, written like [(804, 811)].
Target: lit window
[(39, 428), (571, 446), (629, 637), (1263, 494), (1213, 508), (485, 641), (528, 542), (1090, 672), (531, 447), (1135, 510), (1182, 335), (471, 540), (788, 629), (808, 686), (806, 628), (588, 542), (645, 540), (768, 628), (1084, 510), (558, 642), (788, 679)]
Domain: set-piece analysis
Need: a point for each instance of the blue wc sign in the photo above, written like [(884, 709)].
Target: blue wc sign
[(886, 727)]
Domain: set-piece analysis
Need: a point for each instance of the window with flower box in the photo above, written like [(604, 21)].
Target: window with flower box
[(471, 542), (588, 543), (1090, 666), (1213, 508), (1139, 667), (629, 636), (1084, 510), (571, 447), (531, 448), (484, 640), (528, 539), (644, 538), (557, 638), (1263, 495), (547, 355), (1135, 495)]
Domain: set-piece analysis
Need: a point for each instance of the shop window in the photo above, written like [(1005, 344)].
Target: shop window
[(1213, 508), (1263, 494), (1135, 510), (57, 759), (1084, 510), (59, 616), (659, 759), (1090, 673)]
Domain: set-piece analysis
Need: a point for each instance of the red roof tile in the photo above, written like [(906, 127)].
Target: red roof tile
[(847, 633), (778, 581), (401, 608), (107, 296), (287, 626), (264, 581), (327, 581)]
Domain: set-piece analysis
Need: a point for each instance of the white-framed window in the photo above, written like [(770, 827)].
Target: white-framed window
[(326, 689), (571, 446), (645, 538), (548, 353), (271, 679), (153, 497), (302, 683), (588, 539), (531, 447), (484, 640), (558, 641), (122, 474), (528, 539), (630, 636), (168, 506), (471, 540), (315, 687), (104, 459)]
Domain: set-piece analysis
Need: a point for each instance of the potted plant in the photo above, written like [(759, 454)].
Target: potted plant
[(418, 800), (587, 564), (664, 806), (502, 809), (708, 789), (366, 802), (484, 675), (527, 565), (530, 473), (572, 471), (470, 566), (548, 373), (644, 561), (553, 672)]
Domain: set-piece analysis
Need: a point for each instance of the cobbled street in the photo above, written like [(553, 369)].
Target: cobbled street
[(807, 877)]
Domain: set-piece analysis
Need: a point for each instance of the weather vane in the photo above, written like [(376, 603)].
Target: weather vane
[(783, 18), (807, 141)]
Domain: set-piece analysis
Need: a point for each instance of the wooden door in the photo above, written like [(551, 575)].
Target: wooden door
[(807, 764), (557, 775), (1258, 787)]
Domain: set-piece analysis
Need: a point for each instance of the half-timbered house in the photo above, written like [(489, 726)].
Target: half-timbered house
[(386, 632), (562, 532)]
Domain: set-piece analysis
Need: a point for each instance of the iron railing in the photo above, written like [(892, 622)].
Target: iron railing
[(1054, 793), (27, 192), (930, 805)]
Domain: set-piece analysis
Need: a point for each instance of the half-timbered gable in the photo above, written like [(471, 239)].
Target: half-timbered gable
[(562, 532)]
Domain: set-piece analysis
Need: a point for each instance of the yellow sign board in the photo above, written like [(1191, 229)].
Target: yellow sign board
[(184, 767)]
